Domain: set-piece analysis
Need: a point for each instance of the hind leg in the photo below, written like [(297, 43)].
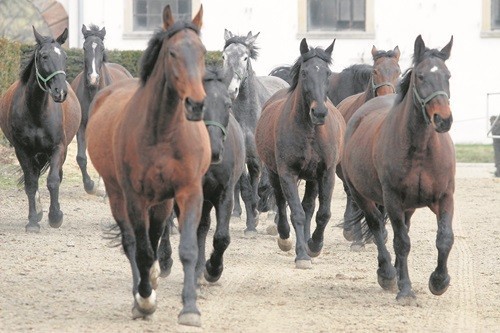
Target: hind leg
[(284, 241), (81, 159), (251, 212), (31, 176), (165, 249), (237, 206), (157, 224), (440, 279), (201, 234)]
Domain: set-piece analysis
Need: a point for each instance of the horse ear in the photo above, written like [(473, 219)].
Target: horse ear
[(103, 32), (62, 37), (419, 49), (168, 19), (374, 51), (251, 38), (198, 19), (84, 29), (397, 53), (227, 34), (38, 37), (445, 51), (304, 48), (329, 49)]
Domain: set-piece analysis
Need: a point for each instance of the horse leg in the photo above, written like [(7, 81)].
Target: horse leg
[(375, 219), (165, 248), (246, 194), (284, 242), (215, 265), (297, 215), (325, 189), (202, 232), (81, 159), (237, 206), (309, 204), (31, 175), (190, 206), (440, 279), (157, 224), (53, 182)]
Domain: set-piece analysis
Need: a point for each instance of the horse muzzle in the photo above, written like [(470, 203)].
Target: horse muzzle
[(318, 114), (58, 95), (194, 109), (441, 125)]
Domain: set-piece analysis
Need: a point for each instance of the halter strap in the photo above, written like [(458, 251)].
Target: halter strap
[(422, 102), (217, 124), (43, 79), (376, 86)]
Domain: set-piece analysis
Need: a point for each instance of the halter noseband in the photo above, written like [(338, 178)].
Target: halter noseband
[(43, 79), (423, 101), (376, 86), (217, 124)]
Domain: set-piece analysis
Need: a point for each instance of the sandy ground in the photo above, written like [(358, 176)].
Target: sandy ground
[(70, 280)]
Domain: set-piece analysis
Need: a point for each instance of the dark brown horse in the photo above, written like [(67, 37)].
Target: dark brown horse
[(150, 146), (97, 74), (398, 154), (39, 115), (383, 80), (300, 136)]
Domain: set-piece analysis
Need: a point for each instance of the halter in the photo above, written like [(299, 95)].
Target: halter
[(376, 86), (422, 102), (217, 124), (45, 80)]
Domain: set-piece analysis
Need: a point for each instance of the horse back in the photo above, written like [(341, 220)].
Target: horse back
[(72, 115), (116, 72), (350, 104), (7, 105)]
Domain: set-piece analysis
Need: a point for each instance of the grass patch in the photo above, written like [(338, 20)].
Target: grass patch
[(474, 153)]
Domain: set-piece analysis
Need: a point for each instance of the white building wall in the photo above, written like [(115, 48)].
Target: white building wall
[(474, 60)]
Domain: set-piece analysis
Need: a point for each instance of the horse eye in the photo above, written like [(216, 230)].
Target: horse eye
[(246, 58), (223, 57), (173, 54), (420, 76)]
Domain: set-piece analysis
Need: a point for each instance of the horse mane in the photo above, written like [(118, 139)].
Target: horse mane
[(384, 54), (361, 73), (242, 40), (213, 73), (295, 70), (29, 61), (150, 55), (93, 31)]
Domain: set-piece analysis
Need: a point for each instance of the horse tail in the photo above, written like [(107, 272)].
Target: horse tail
[(356, 222), (41, 163), (265, 192), (112, 233)]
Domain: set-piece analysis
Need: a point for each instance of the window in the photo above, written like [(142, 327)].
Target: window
[(491, 18), (337, 18), (147, 14), (336, 15)]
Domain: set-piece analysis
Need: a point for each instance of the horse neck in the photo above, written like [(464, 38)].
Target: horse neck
[(301, 107), (36, 99)]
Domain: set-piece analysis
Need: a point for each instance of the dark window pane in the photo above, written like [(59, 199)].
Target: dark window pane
[(321, 14), (331, 15), (495, 14), (154, 22), (140, 22), (141, 7), (148, 13)]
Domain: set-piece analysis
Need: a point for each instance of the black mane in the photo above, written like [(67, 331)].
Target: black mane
[(384, 54), (295, 70), (29, 61), (150, 55), (242, 40), (94, 31)]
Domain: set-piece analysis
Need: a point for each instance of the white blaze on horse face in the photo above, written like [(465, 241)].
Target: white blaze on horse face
[(94, 76), (317, 68), (234, 87), (433, 69), (56, 50)]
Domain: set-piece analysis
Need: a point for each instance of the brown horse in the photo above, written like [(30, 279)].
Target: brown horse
[(39, 115), (300, 136), (383, 80), (149, 146), (97, 74), (398, 154)]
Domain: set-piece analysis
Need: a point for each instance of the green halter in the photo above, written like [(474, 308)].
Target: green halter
[(45, 80), (422, 102), (219, 125)]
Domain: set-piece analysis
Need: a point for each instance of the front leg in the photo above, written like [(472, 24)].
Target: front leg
[(440, 279), (297, 215), (325, 189), (54, 179), (81, 159)]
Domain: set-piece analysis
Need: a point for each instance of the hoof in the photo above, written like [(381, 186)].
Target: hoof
[(285, 244), (438, 285), (406, 298), (144, 307), (154, 274), (357, 246), (211, 278), (236, 213), (313, 253), (348, 235), (33, 228), (272, 230), (90, 187), (387, 284), (303, 264), (166, 267), (55, 220), (189, 319), (250, 233)]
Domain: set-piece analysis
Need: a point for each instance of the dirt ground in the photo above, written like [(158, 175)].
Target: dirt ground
[(70, 280)]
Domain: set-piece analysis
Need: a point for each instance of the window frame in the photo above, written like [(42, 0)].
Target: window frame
[(128, 20), (486, 30), (303, 31)]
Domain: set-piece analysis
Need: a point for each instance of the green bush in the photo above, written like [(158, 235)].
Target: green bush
[(9, 64)]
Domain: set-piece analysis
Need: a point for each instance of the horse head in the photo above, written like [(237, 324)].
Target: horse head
[(386, 71), (216, 110), (238, 50), (431, 84), (50, 65), (310, 73), (93, 53)]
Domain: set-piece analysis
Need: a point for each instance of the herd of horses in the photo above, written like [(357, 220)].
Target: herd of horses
[(184, 138)]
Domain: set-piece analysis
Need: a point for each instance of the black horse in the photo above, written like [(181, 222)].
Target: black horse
[(39, 115), (228, 164)]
